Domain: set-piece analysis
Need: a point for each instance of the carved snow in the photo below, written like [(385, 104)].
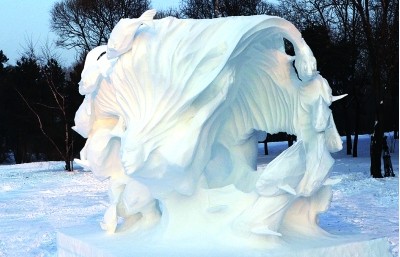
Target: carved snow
[(173, 116)]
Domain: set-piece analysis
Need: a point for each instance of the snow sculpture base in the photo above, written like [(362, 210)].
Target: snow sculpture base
[(173, 113), (206, 224), (92, 241)]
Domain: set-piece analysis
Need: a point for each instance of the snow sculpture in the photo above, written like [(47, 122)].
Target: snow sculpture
[(173, 112)]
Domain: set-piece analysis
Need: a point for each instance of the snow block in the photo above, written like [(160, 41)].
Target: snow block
[(93, 242)]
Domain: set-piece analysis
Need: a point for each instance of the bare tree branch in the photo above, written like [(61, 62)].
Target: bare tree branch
[(39, 120), (85, 24)]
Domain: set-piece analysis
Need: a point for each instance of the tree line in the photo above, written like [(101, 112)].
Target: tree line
[(355, 43), (38, 101)]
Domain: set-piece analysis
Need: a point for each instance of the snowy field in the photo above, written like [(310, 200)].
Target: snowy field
[(38, 199)]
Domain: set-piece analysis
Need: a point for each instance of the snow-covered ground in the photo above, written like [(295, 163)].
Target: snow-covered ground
[(37, 199)]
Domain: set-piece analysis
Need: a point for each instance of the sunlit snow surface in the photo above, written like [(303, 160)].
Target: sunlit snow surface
[(37, 199)]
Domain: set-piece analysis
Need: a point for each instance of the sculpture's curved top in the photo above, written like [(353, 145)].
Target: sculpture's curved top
[(175, 65), (122, 36), (175, 107)]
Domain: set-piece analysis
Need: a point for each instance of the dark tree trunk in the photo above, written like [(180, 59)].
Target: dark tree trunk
[(355, 145), (348, 142), (20, 150), (375, 56), (376, 151), (68, 165), (72, 153), (347, 128), (265, 147), (376, 143), (356, 130), (68, 146)]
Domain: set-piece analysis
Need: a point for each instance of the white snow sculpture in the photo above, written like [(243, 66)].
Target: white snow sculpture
[(173, 112)]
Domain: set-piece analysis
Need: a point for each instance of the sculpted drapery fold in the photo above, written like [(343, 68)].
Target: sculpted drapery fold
[(174, 110)]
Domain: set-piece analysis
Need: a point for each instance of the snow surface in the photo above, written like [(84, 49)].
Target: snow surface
[(38, 199)]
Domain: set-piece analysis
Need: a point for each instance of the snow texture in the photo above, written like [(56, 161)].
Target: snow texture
[(173, 112), (39, 199)]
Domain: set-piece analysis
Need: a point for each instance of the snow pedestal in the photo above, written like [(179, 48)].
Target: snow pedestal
[(92, 241), (173, 113), (211, 223)]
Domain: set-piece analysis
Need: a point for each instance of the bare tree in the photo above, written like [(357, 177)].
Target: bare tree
[(168, 12), (47, 100), (85, 24), (309, 12), (197, 9), (268, 9), (238, 7), (376, 20), (347, 32), (67, 153), (207, 9), (56, 83)]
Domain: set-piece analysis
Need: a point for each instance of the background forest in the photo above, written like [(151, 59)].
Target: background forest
[(355, 43)]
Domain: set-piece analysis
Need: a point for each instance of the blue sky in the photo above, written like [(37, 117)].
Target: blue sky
[(23, 21)]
